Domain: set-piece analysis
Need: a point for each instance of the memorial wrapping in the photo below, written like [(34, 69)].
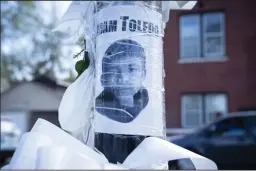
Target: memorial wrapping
[(133, 32), (117, 103), (128, 103), (124, 40), (129, 68)]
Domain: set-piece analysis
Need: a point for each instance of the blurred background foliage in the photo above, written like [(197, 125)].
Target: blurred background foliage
[(29, 47)]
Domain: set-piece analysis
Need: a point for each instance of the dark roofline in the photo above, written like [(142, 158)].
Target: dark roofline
[(48, 81), (42, 80)]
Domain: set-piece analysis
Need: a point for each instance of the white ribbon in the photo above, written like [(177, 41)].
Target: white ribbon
[(48, 147)]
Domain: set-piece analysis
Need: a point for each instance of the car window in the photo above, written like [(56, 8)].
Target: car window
[(250, 124), (234, 133), (230, 127)]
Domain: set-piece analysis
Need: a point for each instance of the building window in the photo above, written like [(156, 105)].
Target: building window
[(200, 109), (202, 36)]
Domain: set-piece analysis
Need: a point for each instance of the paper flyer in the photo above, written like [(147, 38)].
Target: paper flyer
[(129, 70)]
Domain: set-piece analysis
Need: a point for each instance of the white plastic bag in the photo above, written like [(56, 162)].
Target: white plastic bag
[(60, 157), (61, 138), (76, 105), (159, 151), (24, 156), (48, 147)]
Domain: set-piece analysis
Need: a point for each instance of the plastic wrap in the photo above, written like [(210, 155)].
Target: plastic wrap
[(48, 147), (131, 50), (60, 138), (76, 107), (76, 18), (75, 114), (128, 99), (60, 157), (124, 84), (129, 87), (161, 151), (33, 142)]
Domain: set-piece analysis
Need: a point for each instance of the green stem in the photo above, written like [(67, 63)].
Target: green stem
[(78, 54)]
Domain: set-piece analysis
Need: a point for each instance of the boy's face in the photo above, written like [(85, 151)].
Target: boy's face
[(124, 75)]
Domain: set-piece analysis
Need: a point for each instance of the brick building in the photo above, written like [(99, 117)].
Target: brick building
[(210, 62)]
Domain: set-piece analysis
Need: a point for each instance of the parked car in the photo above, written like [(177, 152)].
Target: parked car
[(230, 141), (10, 136)]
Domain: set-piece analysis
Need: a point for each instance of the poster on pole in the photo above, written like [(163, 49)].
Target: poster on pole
[(129, 89)]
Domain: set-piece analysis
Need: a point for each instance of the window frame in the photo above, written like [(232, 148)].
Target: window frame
[(204, 116), (183, 115), (202, 54)]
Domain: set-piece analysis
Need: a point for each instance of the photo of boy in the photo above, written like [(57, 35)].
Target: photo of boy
[(123, 72)]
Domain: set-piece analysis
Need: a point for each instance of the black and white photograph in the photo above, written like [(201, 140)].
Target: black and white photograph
[(123, 73)]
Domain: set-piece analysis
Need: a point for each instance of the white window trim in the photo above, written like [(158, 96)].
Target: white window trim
[(223, 46), (180, 130), (210, 57), (208, 117), (203, 59), (181, 48), (173, 134), (183, 116), (202, 95)]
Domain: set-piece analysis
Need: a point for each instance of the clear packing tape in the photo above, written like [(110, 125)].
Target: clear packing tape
[(48, 147), (76, 108)]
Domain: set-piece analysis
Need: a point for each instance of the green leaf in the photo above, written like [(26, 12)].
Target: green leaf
[(82, 65)]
